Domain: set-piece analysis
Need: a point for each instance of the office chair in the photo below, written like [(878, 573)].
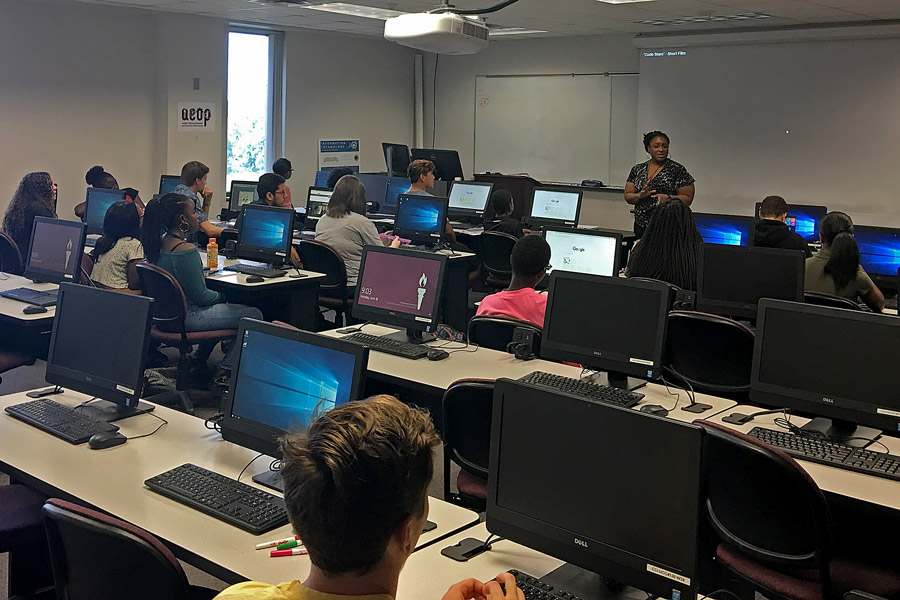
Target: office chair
[(98, 557), (11, 359), (713, 353), (22, 535), (467, 410), (168, 312), (774, 525), (496, 248), (496, 333), (10, 256), (822, 299), (87, 267), (322, 258)]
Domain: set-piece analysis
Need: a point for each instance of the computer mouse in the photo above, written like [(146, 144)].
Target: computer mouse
[(654, 409), (33, 309), (437, 354), (255, 279), (106, 439)]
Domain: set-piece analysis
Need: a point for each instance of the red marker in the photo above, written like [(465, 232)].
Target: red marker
[(274, 543), (292, 552)]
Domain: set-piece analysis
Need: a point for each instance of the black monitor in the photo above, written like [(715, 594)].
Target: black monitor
[(282, 378), (446, 162), (833, 363), (623, 333), (803, 219), (317, 199), (55, 251), (879, 253), (96, 203), (376, 188), (266, 234), (242, 192), (469, 198), (732, 279), (732, 230), (610, 490), (99, 346), (400, 287), (421, 218), (168, 183), (588, 251), (555, 206), (395, 186), (396, 158)]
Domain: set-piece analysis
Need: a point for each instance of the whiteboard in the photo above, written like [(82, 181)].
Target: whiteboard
[(555, 128)]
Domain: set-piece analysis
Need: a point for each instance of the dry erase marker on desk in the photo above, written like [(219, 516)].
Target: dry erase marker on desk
[(289, 544), (291, 552), (274, 543)]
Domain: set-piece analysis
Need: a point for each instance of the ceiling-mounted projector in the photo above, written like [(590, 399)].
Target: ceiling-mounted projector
[(442, 33)]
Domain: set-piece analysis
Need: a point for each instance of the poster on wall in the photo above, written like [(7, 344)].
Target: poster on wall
[(196, 116), (338, 153)]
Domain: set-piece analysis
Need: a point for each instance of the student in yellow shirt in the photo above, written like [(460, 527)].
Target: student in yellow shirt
[(356, 492)]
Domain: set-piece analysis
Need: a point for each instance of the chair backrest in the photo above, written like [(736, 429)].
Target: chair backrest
[(322, 258), (467, 409), (822, 299), (87, 267), (496, 248), (762, 504), (169, 306), (97, 557), (10, 256), (497, 332), (713, 353)]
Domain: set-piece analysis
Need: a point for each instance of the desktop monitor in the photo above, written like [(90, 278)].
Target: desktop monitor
[(376, 188), (242, 192), (583, 251), (266, 234), (732, 279), (421, 218), (732, 230), (56, 250), (802, 218), (446, 162), (322, 179), (612, 324), (97, 202), (400, 287), (833, 363), (555, 206), (168, 183), (879, 253), (101, 357), (282, 378), (396, 158), (317, 203), (610, 490), (469, 198), (395, 186)]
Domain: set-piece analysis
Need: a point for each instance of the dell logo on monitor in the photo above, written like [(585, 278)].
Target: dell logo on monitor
[(581, 543), (828, 400)]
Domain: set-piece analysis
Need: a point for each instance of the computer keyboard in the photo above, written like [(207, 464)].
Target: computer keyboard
[(226, 499), (388, 345), (260, 270), (822, 451), (62, 421), (584, 389), (31, 296), (535, 589)]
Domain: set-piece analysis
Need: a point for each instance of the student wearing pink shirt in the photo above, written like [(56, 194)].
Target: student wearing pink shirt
[(529, 260)]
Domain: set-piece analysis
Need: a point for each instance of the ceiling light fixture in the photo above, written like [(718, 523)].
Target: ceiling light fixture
[(514, 31), (696, 20), (356, 10)]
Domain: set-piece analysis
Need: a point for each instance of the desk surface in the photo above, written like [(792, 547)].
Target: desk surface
[(223, 278), (13, 308), (112, 480)]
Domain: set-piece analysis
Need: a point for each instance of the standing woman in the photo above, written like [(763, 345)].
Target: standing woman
[(35, 197), (655, 181)]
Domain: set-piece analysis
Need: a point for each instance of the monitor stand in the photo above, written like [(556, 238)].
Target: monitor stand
[(618, 380), (842, 432), (104, 410), (411, 336), (271, 479)]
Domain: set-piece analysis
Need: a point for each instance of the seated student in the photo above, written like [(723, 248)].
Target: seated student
[(345, 228), (670, 247), (835, 269), (270, 191), (529, 260), (119, 249), (35, 197), (771, 230), (421, 179), (98, 178), (356, 490), (193, 185), (335, 175), (502, 203), (283, 167), (207, 310)]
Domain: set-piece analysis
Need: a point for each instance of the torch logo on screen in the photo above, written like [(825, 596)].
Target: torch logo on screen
[(68, 253), (422, 281)]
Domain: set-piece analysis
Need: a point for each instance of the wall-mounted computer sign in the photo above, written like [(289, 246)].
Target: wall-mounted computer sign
[(196, 116), (338, 153)]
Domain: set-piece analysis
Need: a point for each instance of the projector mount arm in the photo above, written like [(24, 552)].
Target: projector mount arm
[(475, 11)]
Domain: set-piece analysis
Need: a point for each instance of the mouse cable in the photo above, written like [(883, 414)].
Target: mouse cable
[(158, 427), (253, 460), (214, 422), (676, 394), (83, 404), (491, 538), (276, 465)]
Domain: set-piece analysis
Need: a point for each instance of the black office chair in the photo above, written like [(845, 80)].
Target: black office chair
[(774, 525), (467, 412), (496, 333), (22, 536), (322, 258), (10, 256), (87, 267), (822, 299), (496, 248), (713, 353), (98, 557), (13, 358)]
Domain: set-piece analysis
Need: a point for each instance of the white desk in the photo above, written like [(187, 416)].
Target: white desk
[(112, 480), (12, 309)]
